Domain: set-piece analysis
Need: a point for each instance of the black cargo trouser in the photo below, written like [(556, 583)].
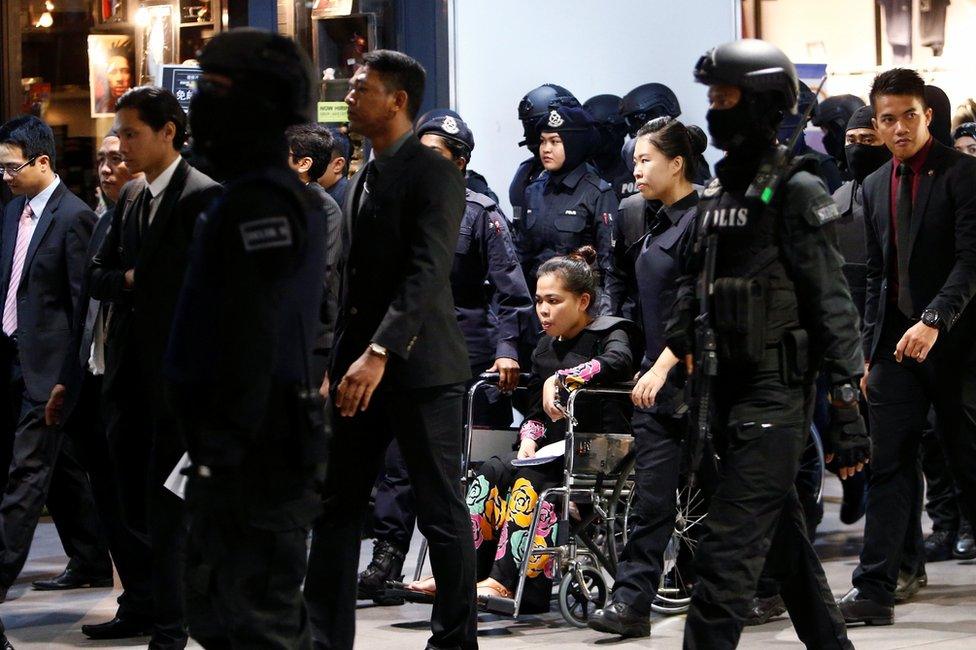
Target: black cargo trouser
[(755, 519), (246, 560)]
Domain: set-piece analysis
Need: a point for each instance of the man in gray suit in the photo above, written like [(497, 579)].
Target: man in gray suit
[(46, 231)]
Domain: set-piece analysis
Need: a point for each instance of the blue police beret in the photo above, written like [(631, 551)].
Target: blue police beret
[(565, 118), (450, 127)]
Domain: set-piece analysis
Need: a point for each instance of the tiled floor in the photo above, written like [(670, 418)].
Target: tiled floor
[(942, 617)]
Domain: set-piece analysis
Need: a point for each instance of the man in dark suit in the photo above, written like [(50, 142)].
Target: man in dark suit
[(399, 362), (139, 271), (42, 261), (919, 328), (75, 404)]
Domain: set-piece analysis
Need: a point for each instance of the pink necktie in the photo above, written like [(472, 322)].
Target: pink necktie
[(20, 253)]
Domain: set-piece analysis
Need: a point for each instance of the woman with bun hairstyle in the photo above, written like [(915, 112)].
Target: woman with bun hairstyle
[(664, 170), (577, 349)]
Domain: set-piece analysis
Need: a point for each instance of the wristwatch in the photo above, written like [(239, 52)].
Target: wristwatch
[(377, 350), (845, 395), (932, 318)]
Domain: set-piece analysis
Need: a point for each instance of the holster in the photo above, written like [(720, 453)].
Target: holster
[(740, 319), (794, 357)]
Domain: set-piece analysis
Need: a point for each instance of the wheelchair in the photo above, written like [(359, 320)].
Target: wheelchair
[(598, 479), (596, 499)]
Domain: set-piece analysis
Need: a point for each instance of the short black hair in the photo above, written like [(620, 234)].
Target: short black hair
[(400, 72), (311, 141), (899, 81), (457, 149), (341, 146), (156, 107), (31, 134)]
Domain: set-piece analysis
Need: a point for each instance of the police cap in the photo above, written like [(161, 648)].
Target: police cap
[(435, 112), (564, 118), (965, 129), (448, 127)]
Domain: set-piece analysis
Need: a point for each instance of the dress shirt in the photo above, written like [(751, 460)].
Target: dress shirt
[(159, 185)]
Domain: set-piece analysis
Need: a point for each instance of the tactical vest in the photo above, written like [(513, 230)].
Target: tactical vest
[(610, 415), (754, 301), (284, 432)]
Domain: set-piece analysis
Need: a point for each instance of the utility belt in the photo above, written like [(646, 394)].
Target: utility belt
[(790, 357)]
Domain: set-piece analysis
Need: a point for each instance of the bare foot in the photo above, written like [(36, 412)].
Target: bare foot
[(491, 587), (425, 586)]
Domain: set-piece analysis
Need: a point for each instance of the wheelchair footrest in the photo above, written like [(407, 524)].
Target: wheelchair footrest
[(497, 605), (399, 589)]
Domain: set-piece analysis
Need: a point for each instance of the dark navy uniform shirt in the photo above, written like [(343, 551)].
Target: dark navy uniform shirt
[(491, 298), (565, 212)]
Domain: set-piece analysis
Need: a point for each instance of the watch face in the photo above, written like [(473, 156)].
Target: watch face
[(930, 318)]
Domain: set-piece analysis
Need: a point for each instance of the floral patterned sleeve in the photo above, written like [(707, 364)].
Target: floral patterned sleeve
[(614, 363)]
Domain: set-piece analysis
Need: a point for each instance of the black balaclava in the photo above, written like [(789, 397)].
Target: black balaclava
[(575, 127), (941, 126), (862, 159), (239, 126), (745, 132)]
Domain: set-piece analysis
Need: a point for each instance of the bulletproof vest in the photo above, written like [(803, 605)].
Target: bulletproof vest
[(610, 415), (296, 314), (754, 300)]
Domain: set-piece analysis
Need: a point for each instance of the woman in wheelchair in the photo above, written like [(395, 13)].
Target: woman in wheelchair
[(578, 349)]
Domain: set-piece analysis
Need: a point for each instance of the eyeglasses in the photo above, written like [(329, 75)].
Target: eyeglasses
[(13, 171)]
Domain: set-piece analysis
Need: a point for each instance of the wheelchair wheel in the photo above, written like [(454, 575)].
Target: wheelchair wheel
[(577, 602), (674, 593), (812, 465)]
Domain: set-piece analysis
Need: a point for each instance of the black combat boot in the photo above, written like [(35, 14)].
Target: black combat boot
[(387, 564)]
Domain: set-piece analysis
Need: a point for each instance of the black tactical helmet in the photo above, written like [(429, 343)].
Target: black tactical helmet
[(753, 65), (538, 101), (836, 110), (805, 99), (266, 68), (605, 110), (435, 113), (647, 102)]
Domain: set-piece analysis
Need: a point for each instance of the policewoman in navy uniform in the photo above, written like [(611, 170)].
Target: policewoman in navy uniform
[(238, 357), (570, 206), (534, 105), (492, 304), (781, 313)]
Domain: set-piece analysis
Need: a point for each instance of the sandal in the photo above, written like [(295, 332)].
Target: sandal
[(493, 589)]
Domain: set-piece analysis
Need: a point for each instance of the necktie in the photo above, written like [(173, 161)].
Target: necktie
[(903, 224), (145, 209), (16, 269)]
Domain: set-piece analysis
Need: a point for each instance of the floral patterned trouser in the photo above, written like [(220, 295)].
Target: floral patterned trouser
[(501, 501)]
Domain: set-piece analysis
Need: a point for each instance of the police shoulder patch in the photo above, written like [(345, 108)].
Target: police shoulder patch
[(712, 188), (827, 212), (263, 234)]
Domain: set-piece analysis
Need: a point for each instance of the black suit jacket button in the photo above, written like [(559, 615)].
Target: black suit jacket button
[(353, 311)]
